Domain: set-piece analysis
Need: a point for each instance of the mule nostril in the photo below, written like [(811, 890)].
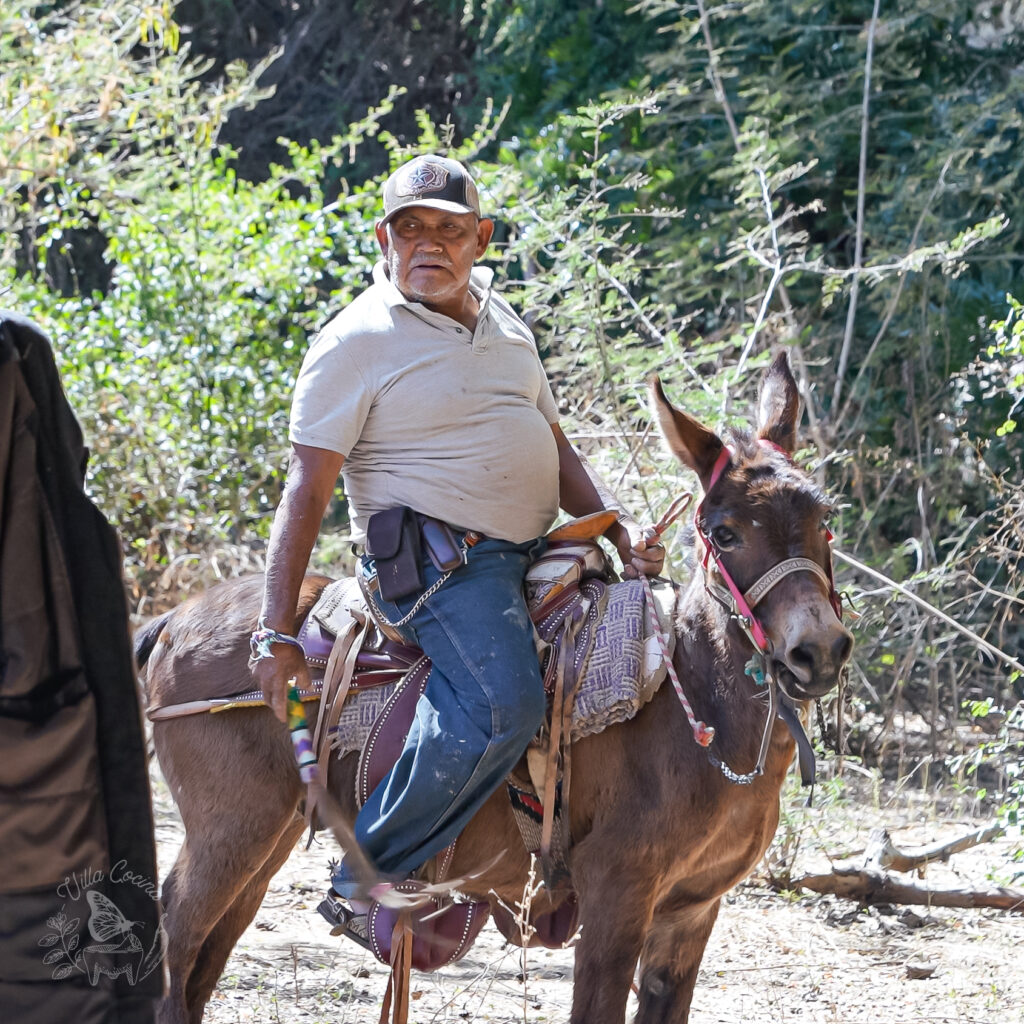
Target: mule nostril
[(842, 648), (800, 660)]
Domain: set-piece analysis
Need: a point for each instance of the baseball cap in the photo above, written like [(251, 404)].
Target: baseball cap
[(434, 181)]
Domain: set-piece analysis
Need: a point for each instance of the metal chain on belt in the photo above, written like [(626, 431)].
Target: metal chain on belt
[(422, 599), (429, 592)]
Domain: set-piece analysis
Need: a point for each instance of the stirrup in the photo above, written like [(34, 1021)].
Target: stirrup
[(344, 920)]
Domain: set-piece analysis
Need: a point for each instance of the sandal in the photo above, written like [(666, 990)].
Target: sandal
[(344, 920)]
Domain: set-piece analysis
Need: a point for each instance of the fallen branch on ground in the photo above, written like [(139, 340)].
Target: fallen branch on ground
[(867, 879), (881, 852)]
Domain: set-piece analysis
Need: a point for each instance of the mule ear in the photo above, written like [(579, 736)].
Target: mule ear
[(778, 405), (690, 441)]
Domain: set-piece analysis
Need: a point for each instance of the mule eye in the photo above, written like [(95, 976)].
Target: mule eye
[(723, 536)]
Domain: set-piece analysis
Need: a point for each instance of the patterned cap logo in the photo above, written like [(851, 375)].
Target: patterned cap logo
[(422, 177)]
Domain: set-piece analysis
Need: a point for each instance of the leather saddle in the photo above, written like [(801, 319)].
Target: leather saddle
[(348, 651)]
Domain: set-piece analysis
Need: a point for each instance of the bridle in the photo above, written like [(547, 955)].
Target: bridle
[(740, 607)]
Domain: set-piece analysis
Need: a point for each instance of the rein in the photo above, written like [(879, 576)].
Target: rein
[(740, 607), (702, 733)]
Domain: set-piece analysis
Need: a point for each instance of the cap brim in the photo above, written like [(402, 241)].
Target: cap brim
[(433, 204)]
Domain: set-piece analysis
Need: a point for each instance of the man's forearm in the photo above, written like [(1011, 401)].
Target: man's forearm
[(582, 491), (296, 527), (607, 499), (311, 478)]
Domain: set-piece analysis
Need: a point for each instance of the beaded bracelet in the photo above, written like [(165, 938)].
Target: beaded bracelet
[(264, 637)]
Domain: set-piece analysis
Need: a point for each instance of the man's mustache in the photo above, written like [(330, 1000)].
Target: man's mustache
[(429, 261)]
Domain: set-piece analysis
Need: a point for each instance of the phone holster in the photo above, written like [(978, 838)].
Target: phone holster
[(441, 544), (393, 542)]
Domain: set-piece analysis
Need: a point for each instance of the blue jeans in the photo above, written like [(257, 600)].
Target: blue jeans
[(483, 703)]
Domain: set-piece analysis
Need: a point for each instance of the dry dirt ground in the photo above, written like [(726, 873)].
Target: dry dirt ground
[(772, 957)]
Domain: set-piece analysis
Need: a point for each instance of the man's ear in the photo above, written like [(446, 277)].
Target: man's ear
[(381, 231), (484, 230)]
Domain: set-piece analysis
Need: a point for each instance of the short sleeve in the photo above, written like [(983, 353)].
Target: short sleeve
[(546, 400), (332, 399)]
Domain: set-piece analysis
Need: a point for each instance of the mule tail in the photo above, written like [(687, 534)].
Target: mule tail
[(146, 638)]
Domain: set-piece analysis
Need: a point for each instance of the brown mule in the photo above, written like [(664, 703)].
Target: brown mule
[(659, 833)]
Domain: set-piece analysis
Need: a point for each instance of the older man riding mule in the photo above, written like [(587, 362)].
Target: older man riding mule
[(660, 827)]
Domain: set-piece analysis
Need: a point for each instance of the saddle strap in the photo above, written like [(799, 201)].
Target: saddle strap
[(399, 981), (554, 849), (338, 675), (551, 767)]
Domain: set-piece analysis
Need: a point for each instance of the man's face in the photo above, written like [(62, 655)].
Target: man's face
[(430, 253)]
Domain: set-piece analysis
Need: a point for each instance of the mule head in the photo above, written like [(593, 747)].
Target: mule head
[(760, 514)]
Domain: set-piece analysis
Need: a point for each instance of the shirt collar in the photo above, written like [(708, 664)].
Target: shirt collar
[(480, 280)]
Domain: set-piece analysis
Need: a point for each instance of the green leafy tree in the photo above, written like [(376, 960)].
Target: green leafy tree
[(179, 355), (841, 179), (852, 183)]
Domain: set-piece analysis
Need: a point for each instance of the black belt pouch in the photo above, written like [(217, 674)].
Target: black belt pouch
[(393, 542)]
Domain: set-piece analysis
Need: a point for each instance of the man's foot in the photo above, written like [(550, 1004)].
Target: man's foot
[(359, 894), (344, 920), (346, 886)]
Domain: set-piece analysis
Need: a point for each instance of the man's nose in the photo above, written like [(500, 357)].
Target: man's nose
[(430, 238)]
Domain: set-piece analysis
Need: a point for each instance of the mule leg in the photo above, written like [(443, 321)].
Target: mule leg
[(204, 891), (238, 805), (192, 906), (615, 908), (671, 959), (209, 964)]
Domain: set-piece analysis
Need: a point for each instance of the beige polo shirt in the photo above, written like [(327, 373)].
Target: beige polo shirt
[(453, 424)]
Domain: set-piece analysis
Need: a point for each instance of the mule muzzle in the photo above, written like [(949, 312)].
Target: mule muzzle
[(810, 664)]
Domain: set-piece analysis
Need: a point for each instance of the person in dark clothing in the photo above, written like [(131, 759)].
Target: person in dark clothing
[(79, 917)]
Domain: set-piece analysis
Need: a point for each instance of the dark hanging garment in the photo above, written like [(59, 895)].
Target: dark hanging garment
[(79, 921)]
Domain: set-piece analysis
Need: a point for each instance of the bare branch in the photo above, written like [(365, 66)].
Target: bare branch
[(867, 879), (871, 887), (931, 609), (716, 78), (858, 251), (883, 853)]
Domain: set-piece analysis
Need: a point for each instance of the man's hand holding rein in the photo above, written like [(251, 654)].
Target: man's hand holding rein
[(639, 548)]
